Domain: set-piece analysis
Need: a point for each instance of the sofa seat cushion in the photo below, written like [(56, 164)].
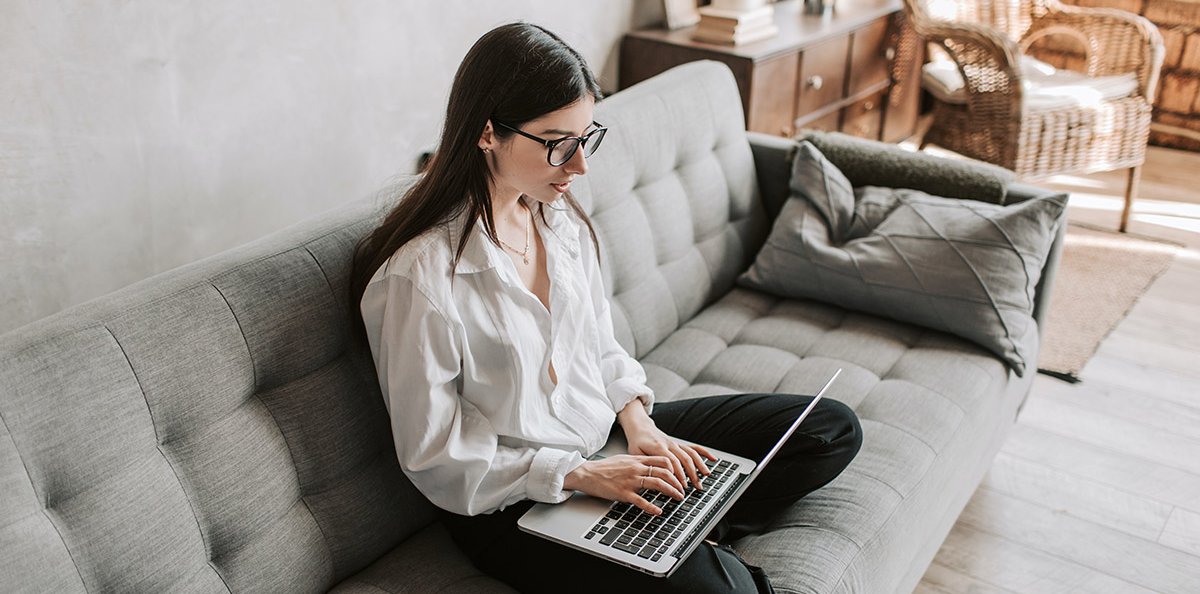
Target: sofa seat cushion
[(427, 561), (752, 341), (928, 403)]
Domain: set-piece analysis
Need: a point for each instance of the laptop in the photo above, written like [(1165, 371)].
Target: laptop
[(657, 545)]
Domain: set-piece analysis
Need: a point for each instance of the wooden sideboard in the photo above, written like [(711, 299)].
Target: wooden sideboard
[(842, 72)]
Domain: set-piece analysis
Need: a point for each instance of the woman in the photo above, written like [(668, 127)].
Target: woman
[(484, 308)]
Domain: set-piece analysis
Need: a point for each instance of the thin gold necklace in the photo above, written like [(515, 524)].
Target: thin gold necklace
[(525, 252)]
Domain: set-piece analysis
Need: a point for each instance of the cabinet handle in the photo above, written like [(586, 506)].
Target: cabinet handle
[(785, 131), (816, 82), (868, 106), (890, 53)]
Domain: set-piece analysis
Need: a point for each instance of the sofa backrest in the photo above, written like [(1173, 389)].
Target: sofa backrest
[(208, 428), (214, 428), (673, 198)]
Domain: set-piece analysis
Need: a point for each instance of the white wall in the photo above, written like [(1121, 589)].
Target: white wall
[(137, 136)]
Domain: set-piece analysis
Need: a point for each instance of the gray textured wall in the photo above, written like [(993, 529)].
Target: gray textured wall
[(136, 136)]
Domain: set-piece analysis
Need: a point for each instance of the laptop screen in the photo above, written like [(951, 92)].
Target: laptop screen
[(795, 425)]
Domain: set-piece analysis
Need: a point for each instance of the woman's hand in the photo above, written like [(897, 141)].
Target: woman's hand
[(620, 478), (646, 439)]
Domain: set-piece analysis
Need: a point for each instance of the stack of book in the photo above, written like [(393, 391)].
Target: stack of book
[(734, 23)]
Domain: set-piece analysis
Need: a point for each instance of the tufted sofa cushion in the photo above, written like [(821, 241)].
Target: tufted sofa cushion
[(209, 429), (674, 200), (924, 399)]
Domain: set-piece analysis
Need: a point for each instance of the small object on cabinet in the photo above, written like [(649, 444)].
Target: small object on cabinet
[(680, 13), (818, 7), (739, 5)]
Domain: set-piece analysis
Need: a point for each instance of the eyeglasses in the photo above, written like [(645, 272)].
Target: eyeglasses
[(560, 150)]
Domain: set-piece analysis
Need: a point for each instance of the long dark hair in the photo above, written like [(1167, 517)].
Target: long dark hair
[(515, 73)]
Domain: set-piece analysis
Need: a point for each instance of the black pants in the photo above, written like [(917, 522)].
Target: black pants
[(743, 424)]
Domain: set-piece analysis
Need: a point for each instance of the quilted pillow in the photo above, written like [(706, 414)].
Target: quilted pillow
[(960, 266)]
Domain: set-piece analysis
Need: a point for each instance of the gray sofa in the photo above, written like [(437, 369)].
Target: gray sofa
[(214, 428)]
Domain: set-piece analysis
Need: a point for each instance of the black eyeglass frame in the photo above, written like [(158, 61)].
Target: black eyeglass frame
[(581, 141)]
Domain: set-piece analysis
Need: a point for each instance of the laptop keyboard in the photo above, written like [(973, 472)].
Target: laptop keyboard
[(627, 528)]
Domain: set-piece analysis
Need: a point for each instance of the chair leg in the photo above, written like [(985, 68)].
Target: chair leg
[(1135, 176)]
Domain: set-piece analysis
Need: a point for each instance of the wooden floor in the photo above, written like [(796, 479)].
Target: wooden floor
[(1097, 488)]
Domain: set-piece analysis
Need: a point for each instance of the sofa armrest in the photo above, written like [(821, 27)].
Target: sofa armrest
[(1018, 192), (872, 163), (773, 167)]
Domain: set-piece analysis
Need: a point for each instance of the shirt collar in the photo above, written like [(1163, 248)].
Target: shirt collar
[(479, 255), (475, 257), (563, 226)]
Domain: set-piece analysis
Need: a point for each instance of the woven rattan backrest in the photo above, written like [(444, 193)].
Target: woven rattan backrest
[(1013, 17)]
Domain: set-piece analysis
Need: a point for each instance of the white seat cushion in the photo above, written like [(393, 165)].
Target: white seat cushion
[(1046, 87)]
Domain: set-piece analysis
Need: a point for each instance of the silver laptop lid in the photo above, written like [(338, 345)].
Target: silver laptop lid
[(733, 496), (795, 425)]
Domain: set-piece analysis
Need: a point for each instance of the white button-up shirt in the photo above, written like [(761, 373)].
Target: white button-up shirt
[(464, 366)]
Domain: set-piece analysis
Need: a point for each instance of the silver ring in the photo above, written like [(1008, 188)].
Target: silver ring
[(650, 471)]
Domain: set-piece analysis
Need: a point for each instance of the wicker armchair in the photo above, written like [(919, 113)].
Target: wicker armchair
[(986, 39)]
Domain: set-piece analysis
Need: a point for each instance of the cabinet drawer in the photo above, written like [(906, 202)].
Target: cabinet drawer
[(822, 75), (773, 95), (864, 118), (869, 62)]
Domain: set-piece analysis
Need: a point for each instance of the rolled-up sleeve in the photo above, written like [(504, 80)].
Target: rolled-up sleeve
[(447, 448), (624, 377)]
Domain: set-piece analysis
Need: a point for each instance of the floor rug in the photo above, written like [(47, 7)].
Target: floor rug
[(1101, 276)]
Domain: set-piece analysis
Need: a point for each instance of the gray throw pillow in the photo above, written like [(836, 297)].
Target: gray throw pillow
[(960, 266)]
